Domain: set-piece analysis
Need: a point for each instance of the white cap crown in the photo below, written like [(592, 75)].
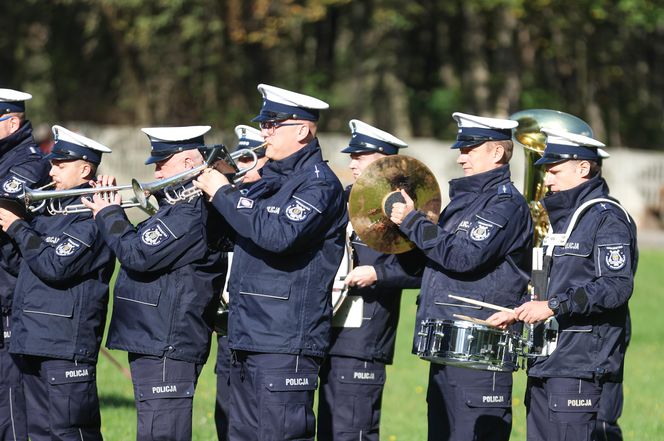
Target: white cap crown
[(62, 134)]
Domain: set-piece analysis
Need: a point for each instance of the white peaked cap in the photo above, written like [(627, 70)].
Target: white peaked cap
[(467, 120), (11, 95), (175, 133), (560, 136), (357, 126), (294, 99), (248, 132), (62, 134)]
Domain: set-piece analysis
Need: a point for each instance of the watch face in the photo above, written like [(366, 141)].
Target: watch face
[(554, 303)]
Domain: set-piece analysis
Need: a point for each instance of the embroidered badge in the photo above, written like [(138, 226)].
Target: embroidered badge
[(463, 225), (52, 239), (245, 203), (67, 248), (481, 232), (153, 236), (615, 258), (12, 185), (297, 211)]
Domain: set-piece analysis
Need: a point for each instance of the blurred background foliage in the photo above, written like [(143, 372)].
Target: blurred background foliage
[(402, 65)]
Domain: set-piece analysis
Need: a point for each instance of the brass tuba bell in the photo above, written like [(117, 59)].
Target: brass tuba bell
[(528, 135)]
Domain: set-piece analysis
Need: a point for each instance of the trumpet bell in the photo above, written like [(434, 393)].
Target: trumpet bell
[(373, 193)]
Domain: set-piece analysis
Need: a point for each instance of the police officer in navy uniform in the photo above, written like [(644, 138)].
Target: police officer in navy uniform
[(289, 242), (353, 375), (248, 138), (480, 249), (592, 247), (21, 164), (60, 301), (166, 293)]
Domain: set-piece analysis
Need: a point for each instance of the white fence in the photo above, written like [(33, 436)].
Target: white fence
[(635, 177)]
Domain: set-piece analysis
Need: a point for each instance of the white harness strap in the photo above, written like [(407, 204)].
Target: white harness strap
[(552, 240)]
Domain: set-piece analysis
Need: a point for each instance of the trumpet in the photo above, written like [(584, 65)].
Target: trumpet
[(142, 191), (218, 153), (43, 197)]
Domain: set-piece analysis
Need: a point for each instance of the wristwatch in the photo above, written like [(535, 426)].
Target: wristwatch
[(554, 304)]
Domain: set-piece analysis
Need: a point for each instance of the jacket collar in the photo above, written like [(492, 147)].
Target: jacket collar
[(561, 205), (23, 134), (480, 182), (309, 154)]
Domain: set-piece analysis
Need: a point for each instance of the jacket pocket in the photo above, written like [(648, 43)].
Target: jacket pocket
[(575, 246), (60, 304), (273, 288), (145, 293), (444, 299)]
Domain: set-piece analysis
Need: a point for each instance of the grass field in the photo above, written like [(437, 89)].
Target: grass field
[(404, 407)]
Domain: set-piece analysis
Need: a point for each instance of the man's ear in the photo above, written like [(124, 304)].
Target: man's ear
[(303, 132), (15, 124), (86, 171), (583, 169), (498, 153)]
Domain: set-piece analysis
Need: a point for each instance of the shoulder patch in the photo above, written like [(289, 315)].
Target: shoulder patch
[(12, 185), (481, 231), (155, 235), (67, 247), (297, 211), (245, 203), (615, 257)]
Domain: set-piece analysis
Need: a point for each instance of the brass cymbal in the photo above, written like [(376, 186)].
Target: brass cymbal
[(372, 188)]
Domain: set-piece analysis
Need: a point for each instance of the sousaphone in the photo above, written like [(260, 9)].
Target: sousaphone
[(375, 191)]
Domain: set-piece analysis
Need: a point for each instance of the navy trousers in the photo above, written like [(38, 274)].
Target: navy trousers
[(610, 409), (467, 404), (561, 409), (349, 399), (272, 397), (164, 394), (223, 371), (61, 399), (13, 424)]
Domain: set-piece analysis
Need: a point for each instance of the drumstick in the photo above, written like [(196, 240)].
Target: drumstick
[(472, 320), (480, 303)]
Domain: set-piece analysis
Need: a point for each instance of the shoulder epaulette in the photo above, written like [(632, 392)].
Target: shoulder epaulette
[(505, 190)]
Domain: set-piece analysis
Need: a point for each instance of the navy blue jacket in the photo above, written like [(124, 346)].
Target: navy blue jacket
[(593, 277), (21, 163), (290, 236), (481, 247), (374, 339), (61, 295), (165, 297)]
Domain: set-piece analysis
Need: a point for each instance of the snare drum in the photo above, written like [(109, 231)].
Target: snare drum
[(466, 344)]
